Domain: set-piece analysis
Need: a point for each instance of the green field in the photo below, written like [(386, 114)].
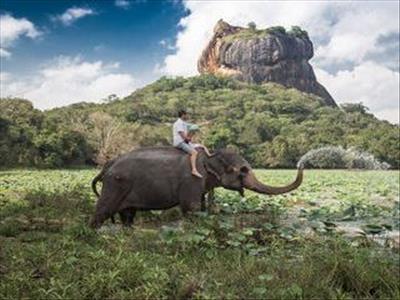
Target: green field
[(336, 237)]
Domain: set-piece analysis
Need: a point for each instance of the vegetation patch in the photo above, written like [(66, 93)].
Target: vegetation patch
[(251, 32), (339, 158), (289, 246), (270, 125)]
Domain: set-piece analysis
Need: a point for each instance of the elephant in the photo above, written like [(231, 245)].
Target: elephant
[(159, 178)]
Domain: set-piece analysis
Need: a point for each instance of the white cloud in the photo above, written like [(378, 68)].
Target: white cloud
[(11, 29), (68, 80), (357, 32), (374, 85), (391, 115), (4, 76), (344, 34), (4, 53), (166, 44), (124, 4), (73, 14)]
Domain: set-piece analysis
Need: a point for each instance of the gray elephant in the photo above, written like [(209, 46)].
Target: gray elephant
[(160, 178)]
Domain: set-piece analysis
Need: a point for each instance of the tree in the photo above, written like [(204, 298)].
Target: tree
[(354, 107), (270, 125), (109, 136), (252, 26), (110, 98)]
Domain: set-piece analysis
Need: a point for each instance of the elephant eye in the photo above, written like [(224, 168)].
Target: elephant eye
[(244, 170)]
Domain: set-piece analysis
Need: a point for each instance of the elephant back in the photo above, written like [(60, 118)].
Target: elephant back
[(154, 163)]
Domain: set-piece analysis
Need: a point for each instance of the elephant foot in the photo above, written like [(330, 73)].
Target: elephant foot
[(95, 222), (127, 215), (98, 219)]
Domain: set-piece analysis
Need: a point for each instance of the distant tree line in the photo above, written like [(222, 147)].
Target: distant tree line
[(272, 126)]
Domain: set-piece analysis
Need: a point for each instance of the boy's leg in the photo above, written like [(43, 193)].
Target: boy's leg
[(193, 155), (205, 150)]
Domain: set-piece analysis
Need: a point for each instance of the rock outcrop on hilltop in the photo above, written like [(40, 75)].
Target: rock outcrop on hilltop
[(258, 56)]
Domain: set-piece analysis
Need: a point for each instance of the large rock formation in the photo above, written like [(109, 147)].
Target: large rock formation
[(259, 56)]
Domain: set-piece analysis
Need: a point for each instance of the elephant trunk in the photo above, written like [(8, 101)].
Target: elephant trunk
[(251, 182)]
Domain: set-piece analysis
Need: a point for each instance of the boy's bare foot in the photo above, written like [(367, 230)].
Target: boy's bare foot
[(197, 174)]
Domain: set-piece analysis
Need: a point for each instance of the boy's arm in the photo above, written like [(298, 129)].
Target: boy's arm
[(184, 136)]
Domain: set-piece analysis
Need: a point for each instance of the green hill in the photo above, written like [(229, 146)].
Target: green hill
[(272, 126)]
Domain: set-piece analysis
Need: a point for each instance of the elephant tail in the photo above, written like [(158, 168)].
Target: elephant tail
[(100, 176)]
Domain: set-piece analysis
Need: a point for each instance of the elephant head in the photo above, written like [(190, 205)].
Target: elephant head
[(231, 171)]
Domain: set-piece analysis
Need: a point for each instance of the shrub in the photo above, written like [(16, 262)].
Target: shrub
[(252, 26), (296, 31), (356, 159), (276, 30), (324, 158), (335, 157), (354, 107)]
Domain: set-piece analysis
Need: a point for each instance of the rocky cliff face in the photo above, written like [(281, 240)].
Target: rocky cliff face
[(259, 56)]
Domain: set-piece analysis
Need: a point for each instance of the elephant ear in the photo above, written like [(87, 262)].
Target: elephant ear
[(226, 165), (212, 171), (217, 163)]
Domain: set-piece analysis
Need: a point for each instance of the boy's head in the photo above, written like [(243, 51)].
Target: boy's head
[(193, 128), (183, 114)]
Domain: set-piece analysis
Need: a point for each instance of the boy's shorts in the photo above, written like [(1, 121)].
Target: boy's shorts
[(186, 147)]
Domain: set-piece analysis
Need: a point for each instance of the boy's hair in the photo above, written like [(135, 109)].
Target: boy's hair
[(181, 113)]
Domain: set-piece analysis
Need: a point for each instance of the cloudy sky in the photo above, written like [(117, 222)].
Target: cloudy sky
[(59, 52)]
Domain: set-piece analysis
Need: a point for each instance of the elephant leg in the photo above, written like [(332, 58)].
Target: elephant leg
[(203, 202), (123, 216), (107, 205), (127, 215), (190, 198), (131, 216), (189, 206), (210, 199), (102, 213)]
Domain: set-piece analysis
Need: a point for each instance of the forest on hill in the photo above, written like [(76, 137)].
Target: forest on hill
[(272, 126)]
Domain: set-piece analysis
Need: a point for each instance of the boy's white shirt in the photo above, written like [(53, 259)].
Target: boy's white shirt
[(179, 126)]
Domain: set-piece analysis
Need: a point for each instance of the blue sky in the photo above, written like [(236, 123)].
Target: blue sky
[(59, 52), (129, 34)]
